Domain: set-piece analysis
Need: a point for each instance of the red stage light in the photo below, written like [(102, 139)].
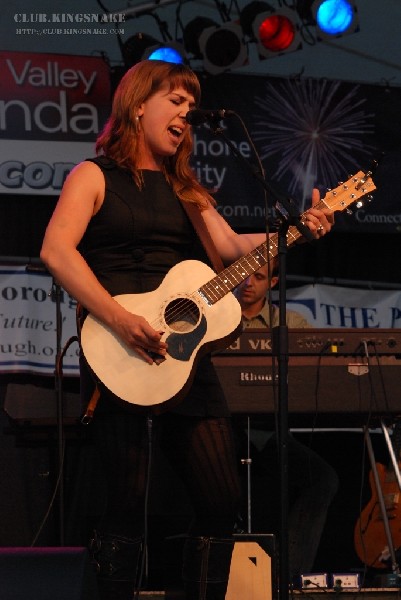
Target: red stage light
[(276, 33)]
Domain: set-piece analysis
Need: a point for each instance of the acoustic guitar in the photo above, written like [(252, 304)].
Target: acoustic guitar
[(370, 540), (197, 312)]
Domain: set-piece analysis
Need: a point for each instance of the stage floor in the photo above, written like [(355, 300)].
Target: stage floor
[(364, 593)]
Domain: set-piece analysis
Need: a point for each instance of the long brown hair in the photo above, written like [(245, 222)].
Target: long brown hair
[(119, 138)]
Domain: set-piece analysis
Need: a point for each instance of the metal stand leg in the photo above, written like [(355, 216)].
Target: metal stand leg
[(248, 462), (390, 447), (394, 565)]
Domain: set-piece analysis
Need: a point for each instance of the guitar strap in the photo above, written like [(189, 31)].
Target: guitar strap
[(94, 399), (194, 215)]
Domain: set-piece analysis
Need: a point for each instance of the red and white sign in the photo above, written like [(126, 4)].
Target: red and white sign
[(52, 108)]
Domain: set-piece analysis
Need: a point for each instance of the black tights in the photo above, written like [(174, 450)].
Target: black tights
[(200, 450)]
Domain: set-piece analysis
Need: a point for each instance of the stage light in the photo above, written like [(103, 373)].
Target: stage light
[(192, 32), (221, 47), (167, 52), (335, 18), (142, 46), (275, 31)]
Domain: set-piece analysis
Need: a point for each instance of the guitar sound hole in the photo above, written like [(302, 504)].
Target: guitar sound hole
[(182, 315)]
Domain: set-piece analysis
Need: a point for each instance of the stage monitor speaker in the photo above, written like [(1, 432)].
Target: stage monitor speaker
[(31, 404), (47, 574)]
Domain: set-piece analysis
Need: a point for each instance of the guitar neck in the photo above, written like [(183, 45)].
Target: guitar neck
[(215, 289), (338, 199)]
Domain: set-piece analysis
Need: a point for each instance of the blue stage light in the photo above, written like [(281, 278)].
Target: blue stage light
[(142, 46), (334, 17), (168, 54)]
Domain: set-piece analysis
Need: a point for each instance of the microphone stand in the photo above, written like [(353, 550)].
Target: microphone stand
[(56, 296), (279, 339), (280, 343)]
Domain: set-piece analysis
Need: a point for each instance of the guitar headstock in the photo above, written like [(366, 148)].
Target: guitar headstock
[(349, 192)]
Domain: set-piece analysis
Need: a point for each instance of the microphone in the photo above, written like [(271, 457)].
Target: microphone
[(198, 116)]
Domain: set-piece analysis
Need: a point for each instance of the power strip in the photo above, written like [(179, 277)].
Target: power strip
[(314, 580), (345, 580)]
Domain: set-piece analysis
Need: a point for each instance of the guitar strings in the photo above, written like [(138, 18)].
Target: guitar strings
[(214, 288)]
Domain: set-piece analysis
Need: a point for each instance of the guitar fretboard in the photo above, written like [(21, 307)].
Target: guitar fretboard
[(215, 289), (338, 199)]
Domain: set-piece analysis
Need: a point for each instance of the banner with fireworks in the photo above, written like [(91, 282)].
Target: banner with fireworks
[(307, 133)]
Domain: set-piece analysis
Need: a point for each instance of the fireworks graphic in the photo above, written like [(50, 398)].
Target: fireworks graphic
[(312, 131)]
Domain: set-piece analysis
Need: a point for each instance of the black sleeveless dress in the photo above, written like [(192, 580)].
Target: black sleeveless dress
[(136, 237)]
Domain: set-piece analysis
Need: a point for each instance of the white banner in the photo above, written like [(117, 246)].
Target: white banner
[(332, 306), (28, 317), (34, 167)]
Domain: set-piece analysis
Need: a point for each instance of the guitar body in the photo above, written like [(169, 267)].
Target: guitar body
[(369, 535), (191, 328)]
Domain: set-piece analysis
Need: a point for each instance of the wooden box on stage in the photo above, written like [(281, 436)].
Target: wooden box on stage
[(253, 568), (253, 573)]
